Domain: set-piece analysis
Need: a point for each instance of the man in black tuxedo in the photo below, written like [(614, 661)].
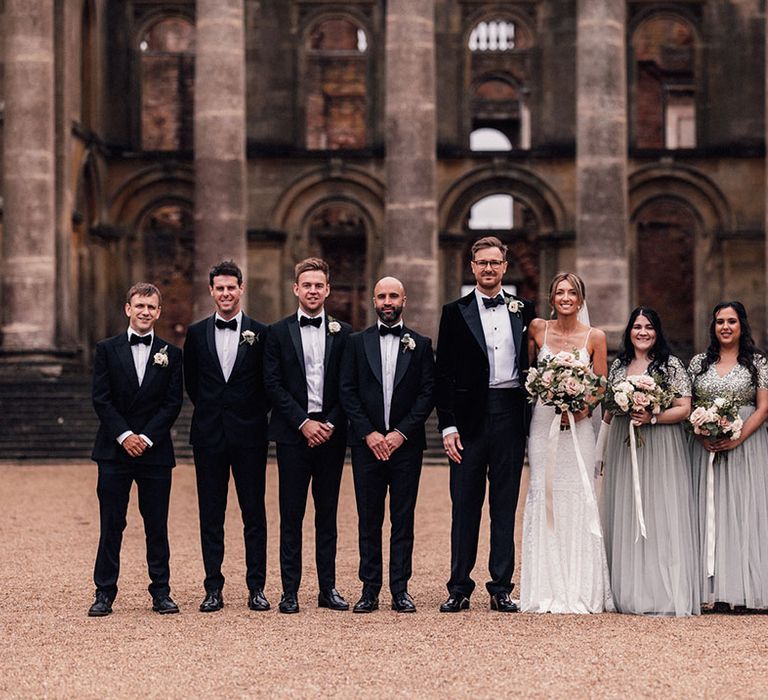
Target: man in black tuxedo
[(482, 356), (137, 394), (387, 378), (224, 374), (301, 375)]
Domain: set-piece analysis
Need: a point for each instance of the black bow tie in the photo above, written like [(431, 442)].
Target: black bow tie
[(315, 321), (231, 324), (387, 330), (141, 339), (498, 300)]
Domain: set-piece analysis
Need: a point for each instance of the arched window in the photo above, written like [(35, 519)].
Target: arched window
[(493, 213), (167, 72), (336, 96), (489, 140), (338, 233), (497, 105), (664, 97), (492, 35)]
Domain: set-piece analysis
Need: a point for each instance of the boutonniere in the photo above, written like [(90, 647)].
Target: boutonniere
[(333, 325), (161, 357), (248, 337), (407, 342), (514, 305)]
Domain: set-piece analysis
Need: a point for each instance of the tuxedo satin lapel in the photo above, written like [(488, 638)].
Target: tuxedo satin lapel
[(403, 360), (126, 359), (210, 337), (329, 339), (242, 346), (471, 315), (294, 331), (373, 351), (517, 328)]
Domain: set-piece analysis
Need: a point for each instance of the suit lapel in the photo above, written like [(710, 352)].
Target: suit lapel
[(403, 361), (126, 359), (329, 339), (373, 351), (294, 330), (210, 337), (151, 370), (471, 315), (242, 346), (517, 327)]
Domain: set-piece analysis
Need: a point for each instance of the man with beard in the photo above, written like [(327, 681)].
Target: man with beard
[(387, 379)]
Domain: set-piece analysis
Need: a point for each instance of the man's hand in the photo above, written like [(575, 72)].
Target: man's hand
[(378, 445), (453, 447), (394, 440), (316, 432), (134, 445)]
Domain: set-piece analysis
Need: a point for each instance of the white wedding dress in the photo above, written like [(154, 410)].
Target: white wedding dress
[(564, 569)]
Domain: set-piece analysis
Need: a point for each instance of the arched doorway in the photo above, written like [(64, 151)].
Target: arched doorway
[(664, 268), (168, 235)]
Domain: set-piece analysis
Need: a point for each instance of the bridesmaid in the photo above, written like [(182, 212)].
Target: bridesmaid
[(658, 574), (733, 367)]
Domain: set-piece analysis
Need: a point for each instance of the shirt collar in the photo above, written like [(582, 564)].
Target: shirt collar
[(479, 295), (379, 324), (238, 317), (133, 332), (300, 313)]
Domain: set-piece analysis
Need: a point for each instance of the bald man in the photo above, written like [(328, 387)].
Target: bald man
[(387, 378)]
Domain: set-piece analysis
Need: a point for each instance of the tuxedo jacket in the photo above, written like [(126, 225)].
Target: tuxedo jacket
[(285, 379), (362, 393), (232, 411), (121, 404), (463, 370)]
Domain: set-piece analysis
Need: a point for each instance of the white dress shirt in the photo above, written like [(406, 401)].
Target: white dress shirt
[(390, 346), (313, 344), (140, 354), (226, 344)]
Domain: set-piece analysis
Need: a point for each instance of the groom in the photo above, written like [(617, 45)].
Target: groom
[(482, 355)]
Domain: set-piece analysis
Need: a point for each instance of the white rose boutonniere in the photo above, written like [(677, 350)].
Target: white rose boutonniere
[(248, 337), (161, 357), (514, 305), (333, 325), (407, 342)]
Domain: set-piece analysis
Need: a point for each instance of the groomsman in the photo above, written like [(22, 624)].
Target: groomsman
[(302, 356), (482, 356), (387, 378), (137, 394), (224, 374)]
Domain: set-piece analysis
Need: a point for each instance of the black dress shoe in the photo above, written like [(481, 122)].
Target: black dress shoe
[(366, 604), (164, 605), (331, 599), (214, 600), (101, 606), (257, 601), (455, 603), (403, 603), (289, 604), (501, 602)]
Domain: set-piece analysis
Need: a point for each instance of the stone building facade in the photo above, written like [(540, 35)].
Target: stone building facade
[(144, 139)]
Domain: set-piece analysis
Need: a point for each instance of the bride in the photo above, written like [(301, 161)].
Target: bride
[(564, 567)]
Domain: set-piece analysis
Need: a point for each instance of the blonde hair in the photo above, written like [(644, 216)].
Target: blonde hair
[(574, 280)]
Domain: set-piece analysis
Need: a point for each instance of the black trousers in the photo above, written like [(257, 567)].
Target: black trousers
[(495, 454), (212, 468), (297, 466), (113, 490), (400, 474)]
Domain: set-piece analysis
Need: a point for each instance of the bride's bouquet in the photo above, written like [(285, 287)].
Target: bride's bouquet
[(565, 382), (717, 419)]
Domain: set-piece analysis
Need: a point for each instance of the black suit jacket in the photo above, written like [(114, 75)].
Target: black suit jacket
[(285, 379), (463, 371), (362, 394), (121, 404), (230, 412)]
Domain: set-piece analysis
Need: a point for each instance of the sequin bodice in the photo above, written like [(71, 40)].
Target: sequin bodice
[(737, 383), (674, 372)]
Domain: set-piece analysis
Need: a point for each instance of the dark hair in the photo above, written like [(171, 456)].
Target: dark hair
[(747, 347), (143, 289), (489, 242), (659, 353), (225, 267), (312, 265)]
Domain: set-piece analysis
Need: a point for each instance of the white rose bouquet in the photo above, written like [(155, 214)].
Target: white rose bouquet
[(717, 419), (565, 382), (639, 392)]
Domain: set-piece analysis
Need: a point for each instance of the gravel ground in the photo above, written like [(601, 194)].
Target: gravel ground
[(49, 530)]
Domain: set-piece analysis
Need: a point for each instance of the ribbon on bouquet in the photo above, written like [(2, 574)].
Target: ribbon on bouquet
[(549, 476), (636, 483), (711, 514)]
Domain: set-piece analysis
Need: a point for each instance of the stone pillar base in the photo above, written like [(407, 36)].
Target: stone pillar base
[(38, 364)]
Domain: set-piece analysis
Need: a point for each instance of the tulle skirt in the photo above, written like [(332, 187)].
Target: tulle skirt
[(658, 574)]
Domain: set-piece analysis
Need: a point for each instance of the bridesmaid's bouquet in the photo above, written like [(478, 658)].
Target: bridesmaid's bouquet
[(565, 382), (717, 419), (639, 392)]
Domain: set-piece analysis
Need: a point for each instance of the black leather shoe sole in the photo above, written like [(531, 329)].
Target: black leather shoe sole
[(458, 606)]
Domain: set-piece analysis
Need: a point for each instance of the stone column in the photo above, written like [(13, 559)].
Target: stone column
[(220, 160), (410, 220), (28, 328), (601, 162)]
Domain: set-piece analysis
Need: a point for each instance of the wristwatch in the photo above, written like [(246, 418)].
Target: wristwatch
[(653, 420)]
